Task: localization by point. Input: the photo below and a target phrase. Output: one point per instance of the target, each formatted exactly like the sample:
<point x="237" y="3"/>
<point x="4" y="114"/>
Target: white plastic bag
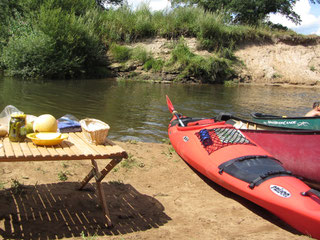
<point x="5" y="115"/>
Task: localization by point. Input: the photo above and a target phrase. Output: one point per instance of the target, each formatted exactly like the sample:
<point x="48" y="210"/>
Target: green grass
<point x="165" y="141"/>
<point x="140" y="54"/>
<point x="156" y="65"/>
<point x="88" y="237"/>
<point x="169" y="153"/>
<point x="276" y="75"/>
<point x="312" y="68"/>
<point x="207" y="69"/>
<point x="16" y="186"/>
<point x="65" y="165"/>
<point x="2" y="184"/>
<point x="116" y="182"/>
<point x="120" y="53"/>
<point x="230" y="83"/>
<point x="131" y="162"/>
<point x="133" y="141"/>
<point x="63" y="176"/>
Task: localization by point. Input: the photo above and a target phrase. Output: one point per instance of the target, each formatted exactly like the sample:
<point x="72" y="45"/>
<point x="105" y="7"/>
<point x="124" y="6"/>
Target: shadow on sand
<point x="51" y="211"/>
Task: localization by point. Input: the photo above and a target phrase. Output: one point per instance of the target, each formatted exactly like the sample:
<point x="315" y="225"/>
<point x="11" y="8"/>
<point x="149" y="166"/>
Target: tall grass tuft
<point x="126" y="25"/>
<point x="176" y="23"/>
<point x="212" y="69"/>
<point x="120" y="53"/>
<point x="140" y="54"/>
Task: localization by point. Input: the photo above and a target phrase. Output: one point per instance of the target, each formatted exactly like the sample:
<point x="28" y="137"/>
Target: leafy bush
<point x="213" y="69"/>
<point x="155" y="64"/>
<point x="140" y="54"/>
<point x="79" y="7"/>
<point x="120" y="53"/>
<point x="29" y="55"/>
<point x="58" y="45"/>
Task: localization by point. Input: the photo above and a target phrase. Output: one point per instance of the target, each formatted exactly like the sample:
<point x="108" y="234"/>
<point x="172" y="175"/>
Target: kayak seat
<point x="253" y="169"/>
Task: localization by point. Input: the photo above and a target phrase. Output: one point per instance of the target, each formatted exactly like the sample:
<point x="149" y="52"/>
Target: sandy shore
<point x="152" y="195"/>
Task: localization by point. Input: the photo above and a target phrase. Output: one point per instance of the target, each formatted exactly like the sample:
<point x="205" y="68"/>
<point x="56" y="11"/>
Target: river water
<point x="138" y="111"/>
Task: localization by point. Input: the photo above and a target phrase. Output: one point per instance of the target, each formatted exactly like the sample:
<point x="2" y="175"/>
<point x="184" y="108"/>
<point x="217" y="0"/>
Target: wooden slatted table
<point x="73" y="148"/>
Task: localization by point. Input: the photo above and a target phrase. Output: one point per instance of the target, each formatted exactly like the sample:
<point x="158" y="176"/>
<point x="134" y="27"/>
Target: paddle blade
<point x="170" y="105"/>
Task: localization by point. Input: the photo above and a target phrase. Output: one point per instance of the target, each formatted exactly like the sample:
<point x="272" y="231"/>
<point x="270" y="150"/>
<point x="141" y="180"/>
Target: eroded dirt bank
<point x="281" y="63"/>
<point x="264" y="63"/>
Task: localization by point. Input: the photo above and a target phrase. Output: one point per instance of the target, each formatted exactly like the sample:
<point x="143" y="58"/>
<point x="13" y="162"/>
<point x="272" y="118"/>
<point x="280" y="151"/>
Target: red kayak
<point x="232" y="160"/>
<point x="297" y="149"/>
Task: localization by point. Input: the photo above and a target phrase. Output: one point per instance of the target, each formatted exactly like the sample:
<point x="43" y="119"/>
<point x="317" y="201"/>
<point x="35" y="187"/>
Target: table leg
<point x="87" y="178"/>
<point x="99" y="177"/>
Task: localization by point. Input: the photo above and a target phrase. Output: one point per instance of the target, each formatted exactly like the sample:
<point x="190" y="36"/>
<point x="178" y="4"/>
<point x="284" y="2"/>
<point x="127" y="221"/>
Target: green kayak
<point x="306" y="123"/>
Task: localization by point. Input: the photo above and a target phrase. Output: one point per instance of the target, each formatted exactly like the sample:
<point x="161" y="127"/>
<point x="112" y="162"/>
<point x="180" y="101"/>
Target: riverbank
<point x="152" y="195"/>
<point x="271" y="63"/>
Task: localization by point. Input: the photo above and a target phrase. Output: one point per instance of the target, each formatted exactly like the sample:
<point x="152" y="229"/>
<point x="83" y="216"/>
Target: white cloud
<point x="309" y="22"/>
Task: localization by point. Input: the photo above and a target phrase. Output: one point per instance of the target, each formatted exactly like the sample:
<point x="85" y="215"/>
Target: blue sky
<point x="309" y="13"/>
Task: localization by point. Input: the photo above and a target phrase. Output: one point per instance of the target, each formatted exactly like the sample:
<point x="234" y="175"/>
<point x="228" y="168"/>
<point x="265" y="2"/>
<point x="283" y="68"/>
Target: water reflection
<point x="138" y="110"/>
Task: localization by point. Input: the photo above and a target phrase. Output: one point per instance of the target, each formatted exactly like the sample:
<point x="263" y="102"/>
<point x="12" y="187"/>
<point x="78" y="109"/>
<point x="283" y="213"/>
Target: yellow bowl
<point x="48" y="138"/>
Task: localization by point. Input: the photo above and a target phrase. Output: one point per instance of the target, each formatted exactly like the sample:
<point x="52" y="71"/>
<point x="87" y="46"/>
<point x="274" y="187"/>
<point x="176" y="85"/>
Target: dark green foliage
<point x="249" y="11"/>
<point x="126" y="25"/>
<point x="123" y="54"/>
<point x="108" y="3"/>
<point x="55" y="41"/>
<point x="180" y="22"/>
<point x="211" y="69"/>
<point x="140" y="54"/>
<point x="78" y="7"/>
<point x="8" y="11"/>
<point x="120" y="53"/>
<point x="276" y="26"/>
<point x="155" y="65"/>
<point x="29" y="55"/>
<point x="148" y="65"/>
<point x="78" y="47"/>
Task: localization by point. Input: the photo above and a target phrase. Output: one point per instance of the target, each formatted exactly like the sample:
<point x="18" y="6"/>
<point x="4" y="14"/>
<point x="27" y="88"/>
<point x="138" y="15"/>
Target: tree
<point x="105" y="3"/>
<point x="249" y="11"/>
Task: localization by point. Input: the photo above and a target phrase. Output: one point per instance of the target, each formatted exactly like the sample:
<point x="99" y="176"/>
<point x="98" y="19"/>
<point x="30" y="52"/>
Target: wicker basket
<point x="94" y="130"/>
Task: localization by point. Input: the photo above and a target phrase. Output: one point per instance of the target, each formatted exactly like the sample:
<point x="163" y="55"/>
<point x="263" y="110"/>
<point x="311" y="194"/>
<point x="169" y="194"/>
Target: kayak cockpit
<point x="254" y="169"/>
<point x="194" y="123"/>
